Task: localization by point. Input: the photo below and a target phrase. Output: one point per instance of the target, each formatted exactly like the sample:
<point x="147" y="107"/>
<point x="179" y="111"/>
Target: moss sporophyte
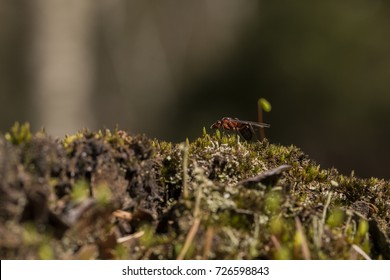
<point x="112" y="195"/>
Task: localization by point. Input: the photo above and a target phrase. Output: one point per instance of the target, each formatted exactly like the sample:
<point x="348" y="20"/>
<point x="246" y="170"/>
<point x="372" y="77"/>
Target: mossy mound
<point x="109" y="195"/>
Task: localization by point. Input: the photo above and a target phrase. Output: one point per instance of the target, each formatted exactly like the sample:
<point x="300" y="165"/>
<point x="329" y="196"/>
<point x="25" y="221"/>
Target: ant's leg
<point x="252" y="130"/>
<point x="246" y="132"/>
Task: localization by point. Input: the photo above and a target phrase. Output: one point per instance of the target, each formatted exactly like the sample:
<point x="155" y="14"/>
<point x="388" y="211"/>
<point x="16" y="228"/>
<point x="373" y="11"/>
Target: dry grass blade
<point x="267" y="177"/>
<point x="130" y="237"/>
<point x="321" y="224"/>
<point x="208" y="242"/>
<point x="190" y="237"/>
<point x="122" y="215"/>
<point x="194" y="228"/>
<point x="304" y="245"/>
<point x="276" y="242"/>
<point x="185" y="171"/>
<point x="360" y="251"/>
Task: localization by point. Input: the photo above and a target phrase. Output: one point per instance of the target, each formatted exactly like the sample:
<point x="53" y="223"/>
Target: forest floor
<point x="111" y="195"/>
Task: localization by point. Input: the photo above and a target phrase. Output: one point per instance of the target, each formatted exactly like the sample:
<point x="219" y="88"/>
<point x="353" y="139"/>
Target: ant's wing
<point x="262" y="125"/>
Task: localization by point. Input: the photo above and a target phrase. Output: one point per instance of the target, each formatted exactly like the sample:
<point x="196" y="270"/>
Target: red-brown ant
<point x="243" y="128"/>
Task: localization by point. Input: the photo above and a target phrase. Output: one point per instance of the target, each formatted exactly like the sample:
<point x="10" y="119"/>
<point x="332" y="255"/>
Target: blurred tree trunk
<point x="14" y="25"/>
<point x="62" y="63"/>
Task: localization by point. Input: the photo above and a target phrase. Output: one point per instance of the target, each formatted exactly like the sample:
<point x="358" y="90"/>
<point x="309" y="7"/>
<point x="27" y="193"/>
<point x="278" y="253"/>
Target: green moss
<point x="19" y="134"/>
<point x="80" y="191"/>
<point x="45" y="252"/>
<point x="69" y="140"/>
<point x="362" y="230"/>
<point x="146" y="179"/>
<point x="336" y="218"/>
<point x="276" y="225"/>
<point x="273" y="203"/>
<point x="282" y="253"/>
<point x="102" y="194"/>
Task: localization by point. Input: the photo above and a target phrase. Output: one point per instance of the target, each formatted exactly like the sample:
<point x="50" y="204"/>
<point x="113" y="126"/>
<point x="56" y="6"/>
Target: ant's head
<point x="217" y="124"/>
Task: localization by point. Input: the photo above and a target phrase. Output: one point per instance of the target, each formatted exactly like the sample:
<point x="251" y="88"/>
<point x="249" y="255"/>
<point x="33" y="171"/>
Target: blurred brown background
<point x="168" y="68"/>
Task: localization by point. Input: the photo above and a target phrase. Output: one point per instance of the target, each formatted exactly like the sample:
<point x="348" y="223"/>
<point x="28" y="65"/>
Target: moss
<point x="19" y="134"/>
<point x="67" y="193"/>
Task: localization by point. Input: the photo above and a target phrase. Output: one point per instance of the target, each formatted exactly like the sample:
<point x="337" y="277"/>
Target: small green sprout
<point x="204" y="131"/>
<point x="19" y="134"/>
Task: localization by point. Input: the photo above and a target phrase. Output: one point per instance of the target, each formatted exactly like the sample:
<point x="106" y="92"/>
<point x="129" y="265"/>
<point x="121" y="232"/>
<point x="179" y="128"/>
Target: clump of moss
<point x="111" y="195"/>
<point x="19" y="134"/>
